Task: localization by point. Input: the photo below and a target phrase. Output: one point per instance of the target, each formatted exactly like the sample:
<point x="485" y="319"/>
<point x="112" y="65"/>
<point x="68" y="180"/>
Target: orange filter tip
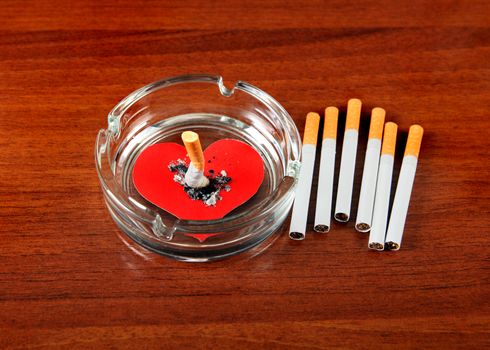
<point x="377" y="123"/>
<point x="389" y="139"/>
<point x="353" y="114"/>
<point x="194" y="149"/>
<point x="414" y="140"/>
<point x="311" y="128"/>
<point x="331" y="120"/>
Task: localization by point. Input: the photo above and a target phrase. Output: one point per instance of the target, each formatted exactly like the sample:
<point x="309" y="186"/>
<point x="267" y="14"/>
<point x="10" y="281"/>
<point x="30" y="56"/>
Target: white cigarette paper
<point x="327" y="166"/>
<point x="195" y="178"/>
<point x="348" y="161"/>
<point x="404" y="188"/>
<point x="370" y="172"/>
<point x="383" y="188"/>
<point x="297" y="229"/>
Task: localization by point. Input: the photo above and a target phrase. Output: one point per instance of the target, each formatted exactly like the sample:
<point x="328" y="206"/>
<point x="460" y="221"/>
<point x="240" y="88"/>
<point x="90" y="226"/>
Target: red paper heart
<point x="155" y="182"/>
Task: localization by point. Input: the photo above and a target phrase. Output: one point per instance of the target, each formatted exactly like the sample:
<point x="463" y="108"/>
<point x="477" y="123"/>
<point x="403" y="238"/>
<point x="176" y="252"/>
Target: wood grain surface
<point x="69" y="279"/>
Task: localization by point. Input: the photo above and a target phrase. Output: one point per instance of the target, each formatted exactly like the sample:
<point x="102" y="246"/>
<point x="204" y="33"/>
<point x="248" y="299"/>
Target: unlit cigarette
<point x="194" y="177"/>
<point x="297" y="230"/>
<point x="327" y="167"/>
<point x="370" y="172"/>
<point x="404" y="188"/>
<point x="348" y="161"/>
<point x="383" y="187"/>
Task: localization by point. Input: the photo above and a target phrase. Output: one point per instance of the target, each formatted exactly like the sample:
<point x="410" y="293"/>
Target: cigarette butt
<point x="311" y="128"/>
<point x="353" y="114"/>
<point x="404" y="187"/>
<point x="370" y="171"/>
<point x="297" y="229"/>
<point x="383" y="189"/>
<point x="389" y="139"/>
<point x="414" y="140"/>
<point x="348" y="161"/>
<point x="327" y="166"/>
<point x="330" y="123"/>
<point x="194" y="149"/>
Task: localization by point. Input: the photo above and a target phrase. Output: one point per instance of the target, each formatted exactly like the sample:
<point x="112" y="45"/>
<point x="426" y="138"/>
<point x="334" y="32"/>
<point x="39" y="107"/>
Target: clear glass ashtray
<point x="160" y="112"/>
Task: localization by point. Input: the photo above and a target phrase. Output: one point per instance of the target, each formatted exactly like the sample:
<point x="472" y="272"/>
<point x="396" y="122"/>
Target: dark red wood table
<point x="69" y="280"/>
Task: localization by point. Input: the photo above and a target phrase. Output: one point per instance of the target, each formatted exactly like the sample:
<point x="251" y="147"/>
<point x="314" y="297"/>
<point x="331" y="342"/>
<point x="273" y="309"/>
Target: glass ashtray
<point x="160" y="112"/>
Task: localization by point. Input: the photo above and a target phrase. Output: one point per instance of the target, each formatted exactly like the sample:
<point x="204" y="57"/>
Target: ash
<point x="209" y="195"/>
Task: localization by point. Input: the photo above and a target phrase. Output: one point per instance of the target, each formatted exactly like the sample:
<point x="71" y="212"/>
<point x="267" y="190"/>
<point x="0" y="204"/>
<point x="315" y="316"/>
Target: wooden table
<point x="69" y="280"/>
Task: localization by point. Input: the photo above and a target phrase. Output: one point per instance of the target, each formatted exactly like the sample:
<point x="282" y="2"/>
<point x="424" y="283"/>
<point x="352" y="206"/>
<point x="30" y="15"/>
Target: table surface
<point x="68" y="279"/>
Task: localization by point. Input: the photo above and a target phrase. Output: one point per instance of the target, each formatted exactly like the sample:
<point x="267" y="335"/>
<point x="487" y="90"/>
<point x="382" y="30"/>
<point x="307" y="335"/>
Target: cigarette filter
<point x="370" y="172"/>
<point x="383" y="188"/>
<point x="327" y="167"/>
<point x="194" y="177"/>
<point x="404" y="188"/>
<point x="297" y="230"/>
<point x="348" y="161"/>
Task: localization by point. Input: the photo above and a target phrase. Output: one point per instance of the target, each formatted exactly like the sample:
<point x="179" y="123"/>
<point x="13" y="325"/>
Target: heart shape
<point x="155" y="182"/>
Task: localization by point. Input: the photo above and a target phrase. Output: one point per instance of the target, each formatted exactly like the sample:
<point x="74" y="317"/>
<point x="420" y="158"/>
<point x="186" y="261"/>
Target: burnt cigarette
<point x="327" y="166"/>
<point x="348" y="161"/>
<point x="383" y="188"/>
<point x="194" y="177"/>
<point x="297" y="230"/>
<point x="370" y="172"/>
<point x="404" y="188"/>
